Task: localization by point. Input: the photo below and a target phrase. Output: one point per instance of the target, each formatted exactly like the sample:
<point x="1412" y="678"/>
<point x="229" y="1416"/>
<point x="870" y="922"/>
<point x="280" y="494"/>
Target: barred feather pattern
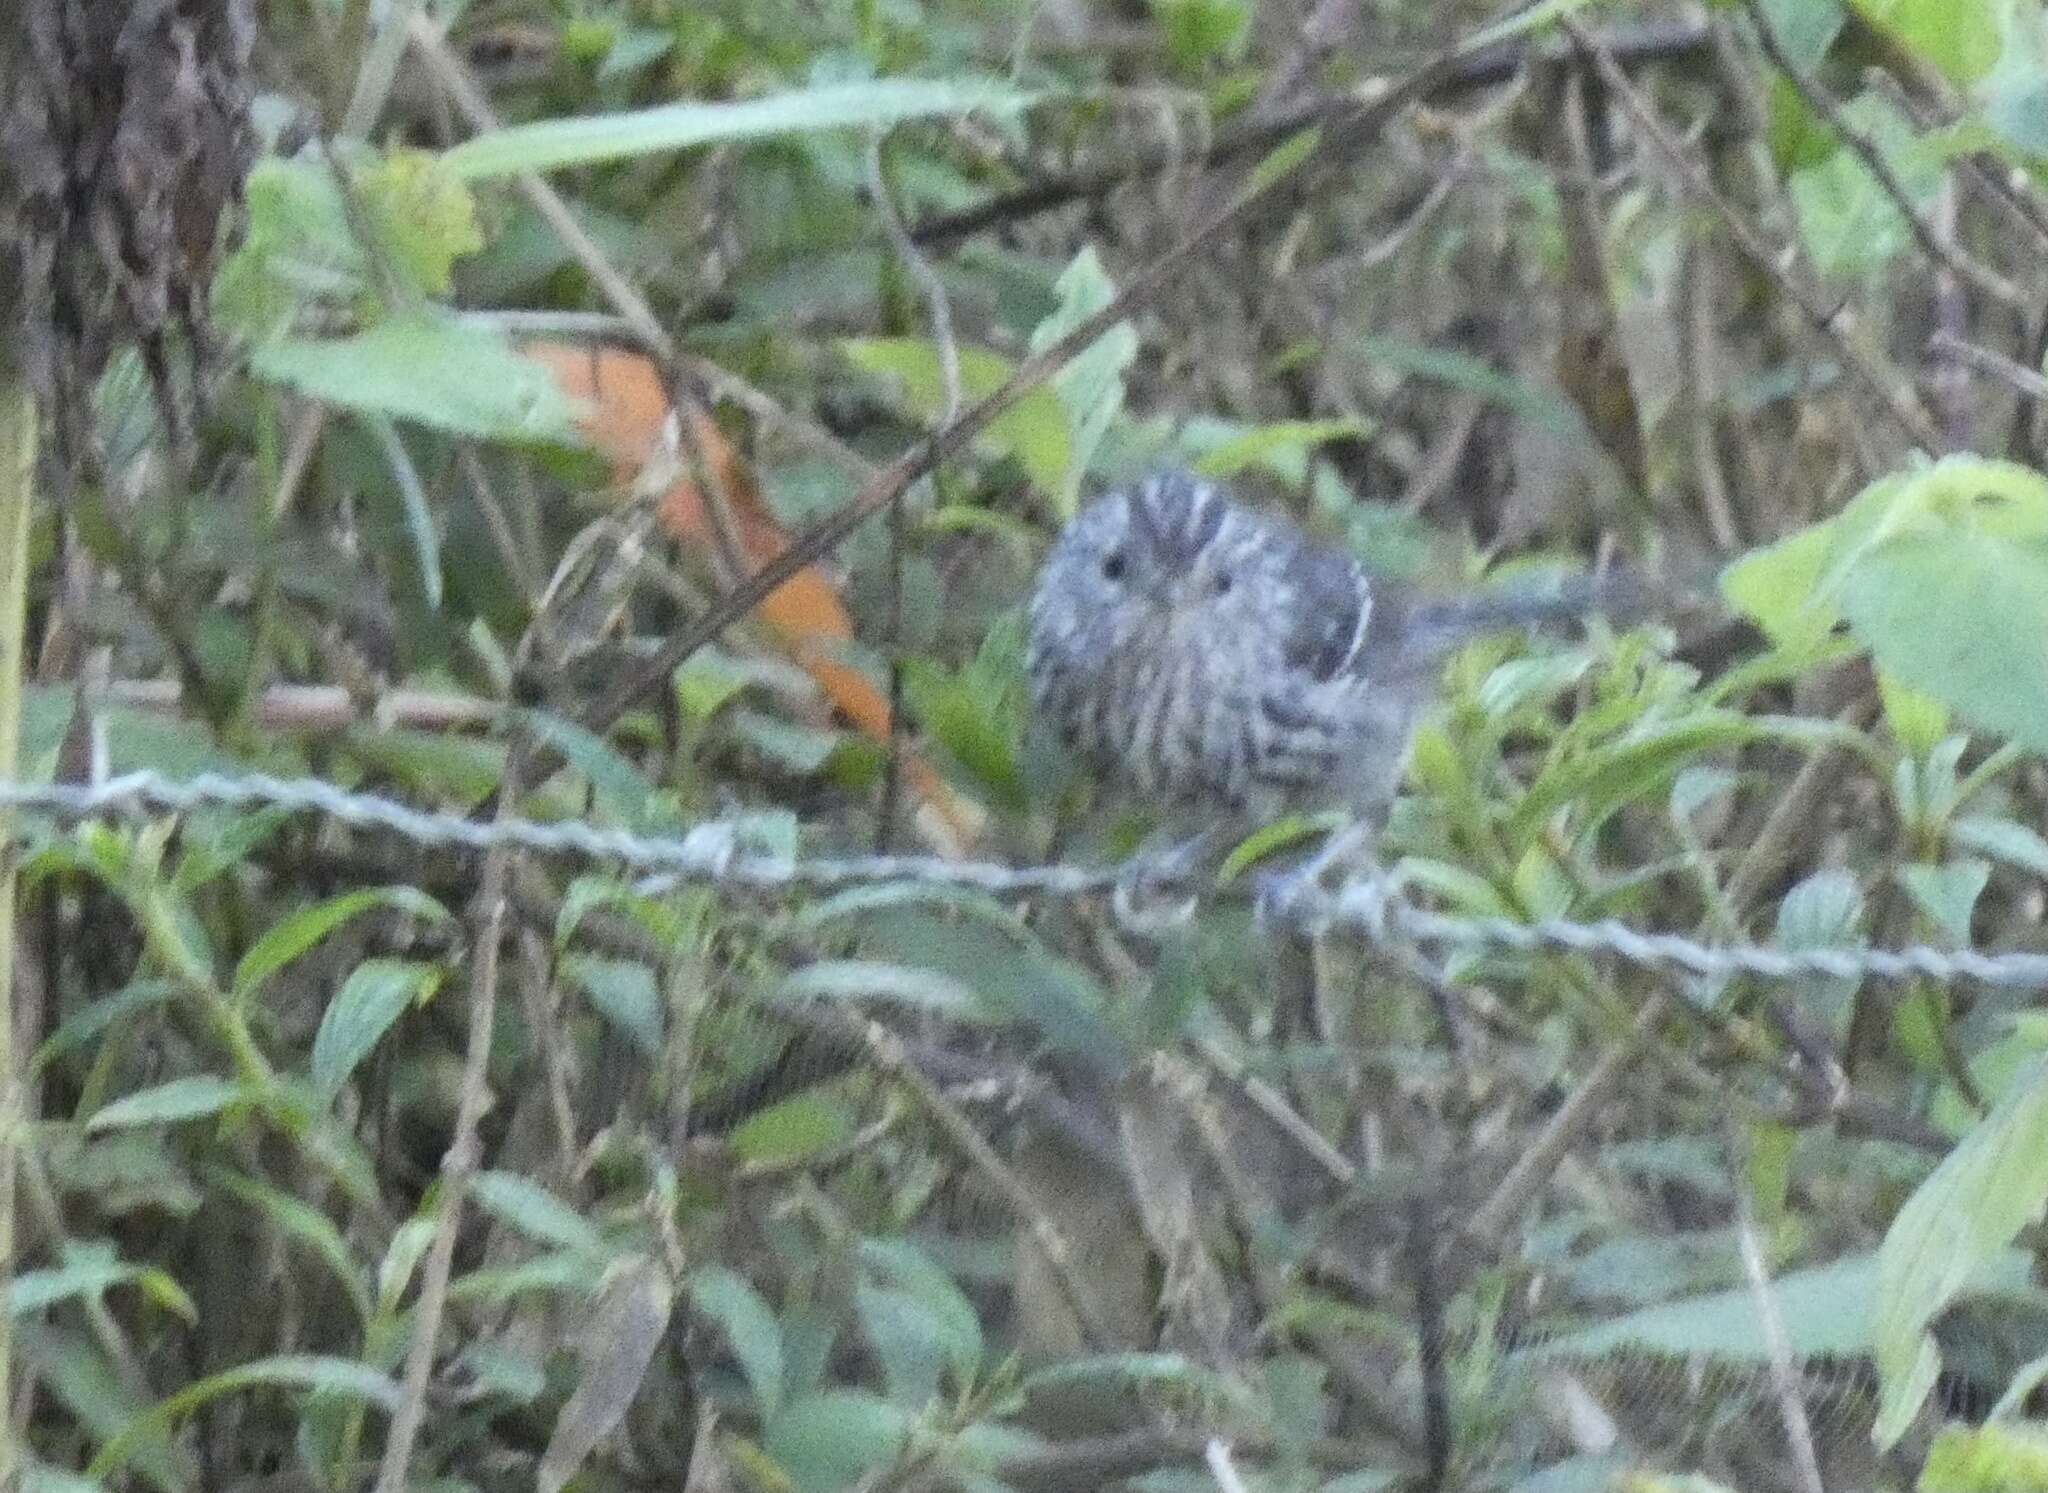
<point x="1196" y="650"/>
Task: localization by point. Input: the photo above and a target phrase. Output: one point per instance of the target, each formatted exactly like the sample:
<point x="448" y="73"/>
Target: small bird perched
<point x="1202" y="653"/>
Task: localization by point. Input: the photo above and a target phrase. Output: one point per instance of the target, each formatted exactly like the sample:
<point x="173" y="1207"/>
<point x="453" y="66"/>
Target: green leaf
<point x="1825" y="911"/>
<point x="872" y="104"/>
<point x="432" y="368"/>
<point x="1917" y="719"/>
<point x="1272" y="838"/>
<point x="409" y="1245"/>
<point x="1202" y="33"/>
<point x="1618" y="772"/>
<point x="2004" y="840"/>
<point x="1826" y="1312"/>
<point x="336" y="1376"/>
<point x="463" y="769"/>
<point x="1850" y="221"/>
<point x="1281" y="161"/>
<point x="623" y="791"/>
<point x="375" y="994"/>
<point x="308" y="1225"/>
<point x="1521" y="22"/>
<point x="562" y="1272"/>
<point x="414" y="505"/>
<point x="1091" y="386"/>
<point x="2016" y="103"/>
<point x="922" y="1300"/>
<point x="128" y="1171"/>
<point x="1279" y="445"/>
<point x="624" y="993"/>
<point x="1960" y="615"/>
<point x="305" y="929"/>
<point x="91" y="1020"/>
<point x="530" y="1208"/>
<point x="1777" y="586"/>
<point x="300" y="246"/>
<point x="76" y="1374"/>
<point x="1475" y="375"/>
<point x="1805" y="28"/>
<point x="1013" y="976"/>
<point x="1956" y="1223"/>
<point x="1033" y="432"/>
<point x="91" y="1270"/>
<point x="978" y="712"/>
<point x="1947" y="894"/>
<point x="1960" y="37"/>
<point x="730" y="1300"/>
<point x="1942" y="570"/>
<point x="906" y="1343"/>
<point x="2000" y="1457"/>
<point x="180" y="1099"/>
<point x="214" y="845"/>
<point x="1118" y="1370"/>
<point x="793" y="1130"/>
<point x="829" y="1441"/>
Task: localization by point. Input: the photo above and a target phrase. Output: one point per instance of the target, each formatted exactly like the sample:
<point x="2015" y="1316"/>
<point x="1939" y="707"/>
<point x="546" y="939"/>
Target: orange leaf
<point x="629" y="408"/>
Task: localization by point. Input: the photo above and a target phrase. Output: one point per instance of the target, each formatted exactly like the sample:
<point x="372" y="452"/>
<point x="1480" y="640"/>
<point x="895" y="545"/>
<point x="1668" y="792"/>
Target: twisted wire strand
<point x="713" y="853"/>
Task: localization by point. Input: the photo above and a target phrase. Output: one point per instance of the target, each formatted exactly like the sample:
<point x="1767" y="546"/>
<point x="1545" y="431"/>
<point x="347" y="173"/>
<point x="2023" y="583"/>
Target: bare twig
<point x="939" y="307"/>
<point x="894" y="1059"/>
<point x="1791" y="1408"/>
<point x="460" y="1161"/>
<point x="1480" y="68"/>
<point x="322" y="707"/>
<point x="1490" y="1223"/>
<point x="1947" y="344"/>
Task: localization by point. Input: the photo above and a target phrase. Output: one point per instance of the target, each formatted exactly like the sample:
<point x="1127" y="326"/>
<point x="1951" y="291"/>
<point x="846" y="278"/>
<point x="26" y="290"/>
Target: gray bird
<point x="1201" y="653"/>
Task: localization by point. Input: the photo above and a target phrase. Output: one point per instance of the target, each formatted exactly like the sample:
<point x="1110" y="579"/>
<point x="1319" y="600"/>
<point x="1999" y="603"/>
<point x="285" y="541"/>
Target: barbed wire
<point x="716" y="853"/>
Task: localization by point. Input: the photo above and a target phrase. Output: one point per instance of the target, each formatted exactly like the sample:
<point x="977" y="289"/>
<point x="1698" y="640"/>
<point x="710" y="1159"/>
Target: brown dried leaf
<point x="632" y="1312"/>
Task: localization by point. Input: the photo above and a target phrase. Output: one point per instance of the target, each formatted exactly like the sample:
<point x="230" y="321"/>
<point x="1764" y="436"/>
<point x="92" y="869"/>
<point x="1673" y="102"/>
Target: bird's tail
<point x="1439" y="626"/>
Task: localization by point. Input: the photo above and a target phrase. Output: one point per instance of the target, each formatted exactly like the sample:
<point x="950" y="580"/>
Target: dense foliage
<point x="649" y="414"/>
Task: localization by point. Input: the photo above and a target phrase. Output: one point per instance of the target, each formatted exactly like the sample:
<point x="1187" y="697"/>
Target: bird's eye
<point x="1223" y="583"/>
<point x="1113" y="566"/>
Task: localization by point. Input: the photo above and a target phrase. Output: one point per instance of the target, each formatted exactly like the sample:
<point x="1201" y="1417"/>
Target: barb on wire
<point x="714" y="852"/>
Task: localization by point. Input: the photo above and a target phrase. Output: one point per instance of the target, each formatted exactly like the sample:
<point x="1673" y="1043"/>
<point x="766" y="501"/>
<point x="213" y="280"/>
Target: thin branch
<point x="1835" y="323"/>
<point x="1791" y="1407"/>
<point x="1482" y="68"/>
<point x="1937" y="246"/>
<point x="1490" y="1223"/>
<point x="939" y="307"/>
<point x="894" y="1059"/>
<point x="17" y="502"/>
<point x="460" y="1161"/>
<point x="322" y="707"/>
<point x="1947" y="344"/>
